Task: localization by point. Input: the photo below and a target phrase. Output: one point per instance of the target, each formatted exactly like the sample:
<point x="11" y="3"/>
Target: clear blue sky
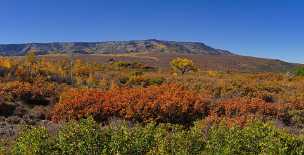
<point x="263" y="28"/>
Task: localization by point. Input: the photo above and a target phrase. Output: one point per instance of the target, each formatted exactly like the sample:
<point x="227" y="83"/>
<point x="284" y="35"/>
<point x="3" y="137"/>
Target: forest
<point x="73" y="106"/>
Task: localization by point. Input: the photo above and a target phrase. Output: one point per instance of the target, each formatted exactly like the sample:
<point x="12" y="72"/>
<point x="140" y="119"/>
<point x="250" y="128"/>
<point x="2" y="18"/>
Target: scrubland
<point x="72" y="106"/>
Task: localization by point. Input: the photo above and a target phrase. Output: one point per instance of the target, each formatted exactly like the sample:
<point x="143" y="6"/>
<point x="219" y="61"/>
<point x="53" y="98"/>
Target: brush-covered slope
<point x="154" y="52"/>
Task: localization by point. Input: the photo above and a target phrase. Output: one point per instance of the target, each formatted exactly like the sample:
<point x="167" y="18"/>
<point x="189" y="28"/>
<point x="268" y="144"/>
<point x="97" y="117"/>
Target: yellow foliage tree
<point x="31" y="57"/>
<point x="183" y="65"/>
<point x="6" y="63"/>
<point x="30" y="62"/>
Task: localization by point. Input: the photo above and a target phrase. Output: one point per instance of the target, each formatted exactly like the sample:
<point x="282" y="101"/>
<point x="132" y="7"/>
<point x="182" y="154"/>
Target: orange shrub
<point x="241" y="110"/>
<point x="35" y="93"/>
<point x="165" y="103"/>
<point x="77" y="103"/>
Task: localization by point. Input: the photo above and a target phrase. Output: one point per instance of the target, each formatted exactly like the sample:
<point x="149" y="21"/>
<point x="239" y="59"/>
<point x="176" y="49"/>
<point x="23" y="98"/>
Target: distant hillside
<point x="154" y="52"/>
<point x="111" y="47"/>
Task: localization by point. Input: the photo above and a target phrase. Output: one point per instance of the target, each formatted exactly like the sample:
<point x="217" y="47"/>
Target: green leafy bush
<point x="156" y="81"/>
<point x="121" y="64"/>
<point x="299" y="71"/>
<point x="2" y="150"/>
<point x="123" y="139"/>
<point x="32" y="141"/>
<point x="145" y="81"/>
<point x="129" y="65"/>
<point x="152" y="139"/>
<point x="256" y="138"/>
<point x="174" y="139"/>
<point x="83" y="137"/>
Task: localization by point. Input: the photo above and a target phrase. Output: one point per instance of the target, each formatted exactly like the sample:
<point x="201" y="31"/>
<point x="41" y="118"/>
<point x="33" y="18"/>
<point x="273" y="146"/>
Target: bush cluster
<point x="141" y="81"/>
<point x="39" y="92"/>
<point x="32" y="141"/>
<point x="85" y="137"/>
<point x="299" y="71"/>
<point x="241" y="110"/>
<point x="255" y="138"/>
<point x="169" y="103"/>
<point x="165" y="103"/>
<point x="136" y="93"/>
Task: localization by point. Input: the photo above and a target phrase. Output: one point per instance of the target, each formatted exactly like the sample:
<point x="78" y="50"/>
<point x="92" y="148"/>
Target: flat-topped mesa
<point x="150" y="45"/>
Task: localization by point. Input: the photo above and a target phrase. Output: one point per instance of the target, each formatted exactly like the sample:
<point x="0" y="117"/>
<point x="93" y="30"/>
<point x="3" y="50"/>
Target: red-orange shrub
<point x="35" y="93"/>
<point x="77" y="103"/>
<point x="241" y="110"/>
<point x="165" y="103"/>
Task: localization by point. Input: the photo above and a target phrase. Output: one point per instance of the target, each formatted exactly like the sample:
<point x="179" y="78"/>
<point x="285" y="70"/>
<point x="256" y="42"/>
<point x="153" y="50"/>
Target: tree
<point x="30" y="61"/>
<point x="30" y="57"/>
<point x="183" y="65"/>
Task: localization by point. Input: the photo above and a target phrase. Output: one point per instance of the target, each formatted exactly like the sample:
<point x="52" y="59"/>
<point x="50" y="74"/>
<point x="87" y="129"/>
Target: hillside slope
<point x="151" y="45"/>
<point x="153" y="52"/>
<point x="204" y="61"/>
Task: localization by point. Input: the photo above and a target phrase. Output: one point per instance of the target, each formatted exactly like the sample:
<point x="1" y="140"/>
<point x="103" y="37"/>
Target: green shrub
<point x="129" y="65"/>
<point x="2" y="150"/>
<point x="256" y="138"/>
<point x="121" y="64"/>
<point x="83" y="137"/>
<point x="145" y="81"/>
<point x="156" y="81"/>
<point x="152" y="139"/>
<point x="32" y="141"/>
<point x="122" y="139"/>
<point x="299" y="71"/>
<point x="143" y="138"/>
<point x="174" y="139"/>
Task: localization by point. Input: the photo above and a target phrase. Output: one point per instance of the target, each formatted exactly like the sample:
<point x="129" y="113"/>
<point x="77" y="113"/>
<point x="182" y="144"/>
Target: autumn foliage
<point x="216" y="106"/>
<point x="38" y="92"/>
<point x="183" y="65"/>
<point x="78" y="103"/>
<point x="242" y="110"/>
<point x="165" y="103"/>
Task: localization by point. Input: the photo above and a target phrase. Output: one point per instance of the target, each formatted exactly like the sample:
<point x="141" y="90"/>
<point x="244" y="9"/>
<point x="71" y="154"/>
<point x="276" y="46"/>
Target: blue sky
<point x="263" y="28"/>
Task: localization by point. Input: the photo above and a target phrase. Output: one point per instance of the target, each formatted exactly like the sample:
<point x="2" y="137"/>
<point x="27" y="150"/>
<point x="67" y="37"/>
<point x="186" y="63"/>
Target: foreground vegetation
<point x="75" y="107"/>
<point x="86" y="137"/>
